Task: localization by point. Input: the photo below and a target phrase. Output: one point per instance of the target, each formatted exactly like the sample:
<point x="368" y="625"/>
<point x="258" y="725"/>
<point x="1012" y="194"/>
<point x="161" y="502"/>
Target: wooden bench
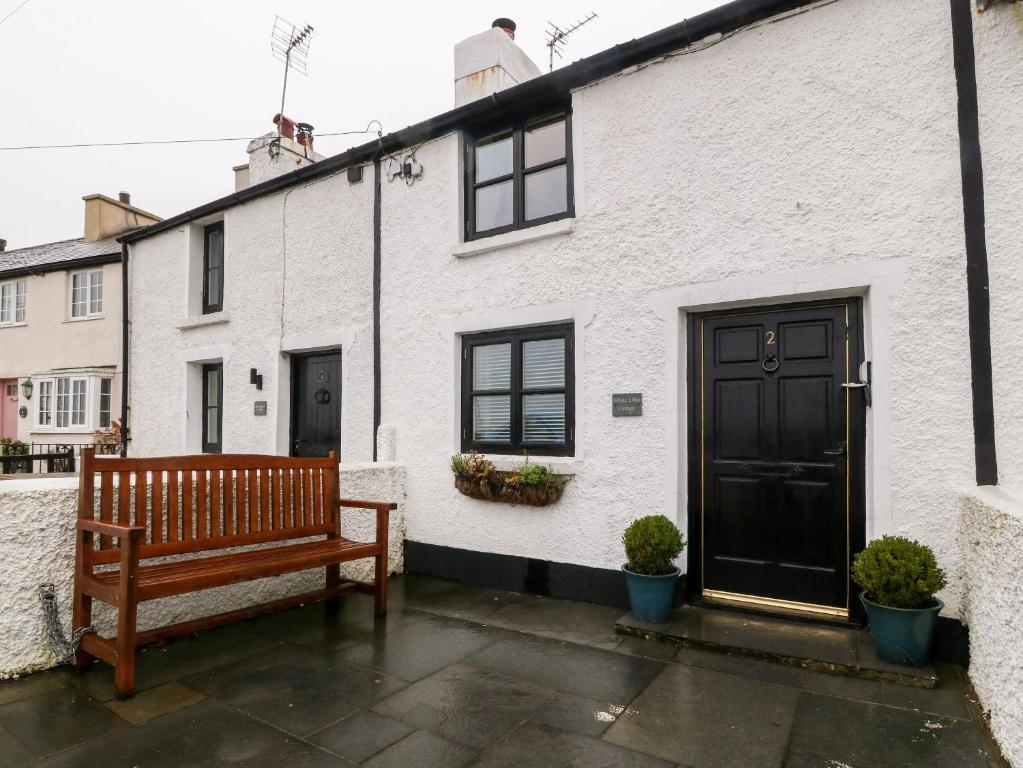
<point x="188" y="505"/>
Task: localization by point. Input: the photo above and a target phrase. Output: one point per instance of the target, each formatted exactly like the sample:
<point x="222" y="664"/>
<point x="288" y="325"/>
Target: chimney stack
<point x="3" y="245"/>
<point x="106" y="217"/>
<point x="273" y="154"/>
<point x="490" y="62"/>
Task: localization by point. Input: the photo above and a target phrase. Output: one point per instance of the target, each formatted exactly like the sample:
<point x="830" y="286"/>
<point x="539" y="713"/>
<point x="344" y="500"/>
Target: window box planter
<point x="534" y="484"/>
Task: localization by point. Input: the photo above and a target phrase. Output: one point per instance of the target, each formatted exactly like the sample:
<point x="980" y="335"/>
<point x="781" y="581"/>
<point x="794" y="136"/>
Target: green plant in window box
<point x="532" y="484"/>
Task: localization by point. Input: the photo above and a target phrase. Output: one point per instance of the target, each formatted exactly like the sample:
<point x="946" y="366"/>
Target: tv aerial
<point x="290" y="45"/>
<point x="556" y="36"/>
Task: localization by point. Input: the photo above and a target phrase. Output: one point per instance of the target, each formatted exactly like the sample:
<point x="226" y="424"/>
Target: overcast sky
<point x="116" y="70"/>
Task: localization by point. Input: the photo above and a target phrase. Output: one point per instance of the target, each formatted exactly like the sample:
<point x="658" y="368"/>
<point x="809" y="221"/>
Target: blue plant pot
<point x="650" y="597"/>
<point x="902" y="635"/>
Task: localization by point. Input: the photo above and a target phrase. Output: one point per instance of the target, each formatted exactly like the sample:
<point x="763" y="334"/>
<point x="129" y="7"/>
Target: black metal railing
<point x="48" y="457"/>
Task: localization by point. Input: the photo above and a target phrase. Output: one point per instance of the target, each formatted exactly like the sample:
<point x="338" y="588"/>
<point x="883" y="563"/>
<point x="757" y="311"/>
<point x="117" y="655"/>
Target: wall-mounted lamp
<point x="255" y="377"/>
<point x="26" y="388"/>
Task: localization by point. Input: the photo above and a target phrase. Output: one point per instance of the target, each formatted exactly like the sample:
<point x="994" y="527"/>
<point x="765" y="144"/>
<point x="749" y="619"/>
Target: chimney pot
<point x="505" y="24"/>
<point x="286" y="124"/>
<point x="3" y="245"/>
<point x="304" y="134"/>
<point x="124" y="197"/>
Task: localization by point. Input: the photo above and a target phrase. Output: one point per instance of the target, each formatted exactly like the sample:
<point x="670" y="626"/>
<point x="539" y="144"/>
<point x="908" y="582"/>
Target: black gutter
<point x="377" y="264"/>
<point x="553" y="87"/>
<point x="57" y="266"/>
<point x="124" y="350"/>
<point x="977" y="283"/>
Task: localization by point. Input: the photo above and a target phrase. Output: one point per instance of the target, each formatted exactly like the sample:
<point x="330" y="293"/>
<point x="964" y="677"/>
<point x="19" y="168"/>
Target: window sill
<point x="559" y="465"/>
<point x="12" y="325"/>
<point x="85" y="319"/>
<point x="201" y="321"/>
<point x="519" y="236"/>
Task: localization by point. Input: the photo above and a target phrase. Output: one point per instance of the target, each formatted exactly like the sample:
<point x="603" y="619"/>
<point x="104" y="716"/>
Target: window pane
<point x="543" y="363"/>
<point x="543" y="418"/>
<point x="491" y="367"/>
<point x="213" y="287"/>
<point x="78" y="402"/>
<point x="212" y="428"/>
<point x="494" y="206"/>
<point x="6" y="302"/>
<point x="491" y="418"/>
<point x="104" y="402"/>
<point x="22" y="295"/>
<point x="63" y="402"/>
<point x="96" y="292"/>
<point x="545" y="143"/>
<point x="45" y="405"/>
<point x="79" y="290"/>
<point x="547" y="192"/>
<point x="213" y="387"/>
<point x="493" y="159"/>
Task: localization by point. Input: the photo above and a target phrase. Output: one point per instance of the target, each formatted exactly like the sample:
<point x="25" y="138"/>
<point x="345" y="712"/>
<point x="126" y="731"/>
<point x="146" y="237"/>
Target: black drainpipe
<point x="124" y="349"/>
<point x="977" y="284"/>
<point x="376" y="301"/>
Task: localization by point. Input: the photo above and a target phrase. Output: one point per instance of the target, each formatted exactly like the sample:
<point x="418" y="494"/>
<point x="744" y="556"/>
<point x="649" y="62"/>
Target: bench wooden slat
<point x="106" y="506"/>
<point x="124" y="498"/>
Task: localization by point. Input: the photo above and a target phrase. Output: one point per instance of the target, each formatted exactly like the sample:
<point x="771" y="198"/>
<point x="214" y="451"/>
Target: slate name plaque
<point x="259" y="408"/>
<point x="627" y="404"/>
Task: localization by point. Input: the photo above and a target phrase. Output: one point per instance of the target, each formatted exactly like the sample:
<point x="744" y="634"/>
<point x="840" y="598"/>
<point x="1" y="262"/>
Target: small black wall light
<point x="26" y="388"/>
<point x="255" y="377"/>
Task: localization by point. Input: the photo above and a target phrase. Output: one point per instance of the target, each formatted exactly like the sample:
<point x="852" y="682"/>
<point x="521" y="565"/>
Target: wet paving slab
<point x="463" y="676"/>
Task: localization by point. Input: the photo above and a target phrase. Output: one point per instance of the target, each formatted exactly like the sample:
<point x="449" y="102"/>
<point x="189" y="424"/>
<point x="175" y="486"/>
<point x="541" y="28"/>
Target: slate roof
<point x="60" y="255"/>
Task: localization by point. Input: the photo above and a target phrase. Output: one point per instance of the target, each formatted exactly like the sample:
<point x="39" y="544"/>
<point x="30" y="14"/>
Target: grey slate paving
<point x="53" y="721"/>
<point x="708" y="719"/>
<point x="297" y="690"/>
<point x="738" y="665"/>
<point x="30" y="685"/>
<point x="207" y="735"/>
<point x="423" y="750"/>
<point x="13" y="754"/>
<point x="588" y="672"/>
<point x="448" y="598"/>
<point x="848" y="687"/>
<point x="869" y="735"/>
<point x="577" y="714"/>
<point x="470" y="706"/>
<point x="566" y="620"/>
<point x="362" y="735"/>
<point x="541" y="746"/>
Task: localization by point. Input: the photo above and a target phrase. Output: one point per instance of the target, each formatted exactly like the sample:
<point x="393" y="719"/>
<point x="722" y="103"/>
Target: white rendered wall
<point x="998" y="36"/>
<point x="795" y="148"/>
<point x="794" y="160"/>
<point x="294" y="282"/>
<point x="991" y="537"/>
<point x="43" y="513"/>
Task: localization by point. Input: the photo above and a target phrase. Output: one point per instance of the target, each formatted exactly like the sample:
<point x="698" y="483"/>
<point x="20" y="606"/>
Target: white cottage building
<point x="764" y="235"/>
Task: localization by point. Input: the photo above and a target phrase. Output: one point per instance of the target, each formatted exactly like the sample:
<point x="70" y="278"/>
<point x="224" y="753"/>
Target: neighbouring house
<point x="61" y="330"/>
<point x="736" y="272"/>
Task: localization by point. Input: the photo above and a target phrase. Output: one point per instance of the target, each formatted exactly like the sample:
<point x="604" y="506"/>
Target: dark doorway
<point x="776" y="455"/>
<point x="316" y="404"/>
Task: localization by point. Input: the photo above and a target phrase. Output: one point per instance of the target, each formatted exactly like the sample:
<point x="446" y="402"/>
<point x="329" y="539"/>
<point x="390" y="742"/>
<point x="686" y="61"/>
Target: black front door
<point x="316" y="404"/>
<point x="777" y="443"/>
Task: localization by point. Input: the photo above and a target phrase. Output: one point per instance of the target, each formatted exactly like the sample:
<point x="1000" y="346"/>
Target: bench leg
<point x="124" y="672"/>
<point x="81" y="616"/>
<point x="380" y="580"/>
<point x="333" y="578"/>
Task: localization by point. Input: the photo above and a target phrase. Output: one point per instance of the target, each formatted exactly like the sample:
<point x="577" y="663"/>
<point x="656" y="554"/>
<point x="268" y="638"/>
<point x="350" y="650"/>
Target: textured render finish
<point x="489" y="62"/>
<point x="42" y="513"/>
<point x="796" y="146"/>
<point x="998" y="35"/>
<point x="793" y="146"/>
<point x="310" y="278"/>
<point x="991" y="537"/>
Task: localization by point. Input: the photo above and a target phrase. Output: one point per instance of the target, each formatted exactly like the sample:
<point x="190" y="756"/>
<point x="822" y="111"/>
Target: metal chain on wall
<point x="63" y="649"/>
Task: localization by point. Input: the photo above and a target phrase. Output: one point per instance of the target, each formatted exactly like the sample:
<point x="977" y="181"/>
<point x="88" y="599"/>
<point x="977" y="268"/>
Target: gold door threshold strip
<point x="775" y="604"/>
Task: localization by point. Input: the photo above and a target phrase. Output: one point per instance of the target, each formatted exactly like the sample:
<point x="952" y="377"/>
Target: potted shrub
<point x="899" y="577"/>
<point x="651" y="544"/>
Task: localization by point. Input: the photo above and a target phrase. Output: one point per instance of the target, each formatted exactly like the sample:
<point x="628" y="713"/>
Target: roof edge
<point x="58" y="266"/>
<point x="547" y="87"/>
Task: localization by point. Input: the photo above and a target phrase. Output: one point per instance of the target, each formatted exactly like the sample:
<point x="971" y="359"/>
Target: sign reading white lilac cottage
<point x="764" y="226"/>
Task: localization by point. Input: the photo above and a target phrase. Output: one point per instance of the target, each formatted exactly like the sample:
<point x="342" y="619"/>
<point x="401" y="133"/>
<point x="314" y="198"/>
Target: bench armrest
<point x="379" y="506"/>
<point x="112" y="529"/>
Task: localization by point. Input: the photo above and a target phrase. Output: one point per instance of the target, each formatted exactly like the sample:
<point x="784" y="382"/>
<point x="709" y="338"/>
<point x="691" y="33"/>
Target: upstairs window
<point x="87" y="293"/>
<point x="518" y="177"/>
<point x="213" y="268"/>
<point x="517" y="391"/>
<point x="12" y="302"/>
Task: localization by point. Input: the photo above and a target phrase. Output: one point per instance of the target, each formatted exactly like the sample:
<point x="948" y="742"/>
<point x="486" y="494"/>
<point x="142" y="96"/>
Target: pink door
<point x="9" y="408"/>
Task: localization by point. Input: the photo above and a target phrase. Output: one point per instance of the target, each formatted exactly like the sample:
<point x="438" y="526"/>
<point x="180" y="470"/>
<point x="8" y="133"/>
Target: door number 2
<point x="769" y="336"/>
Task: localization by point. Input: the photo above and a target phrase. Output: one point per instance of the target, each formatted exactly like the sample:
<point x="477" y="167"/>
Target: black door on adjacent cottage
<point x="316" y="404"/>
<point x="776" y="455"/>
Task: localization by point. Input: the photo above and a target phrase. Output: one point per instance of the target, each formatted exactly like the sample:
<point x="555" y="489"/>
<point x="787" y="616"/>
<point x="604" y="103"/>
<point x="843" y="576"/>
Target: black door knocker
<point x="322" y="396"/>
<point x="770" y="363"/>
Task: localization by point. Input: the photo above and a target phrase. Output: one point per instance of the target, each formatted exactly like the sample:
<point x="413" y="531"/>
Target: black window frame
<point x="517" y="130"/>
<point x="207" y="306"/>
<point x="516" y="337"/>
<point x="207" y="445"/>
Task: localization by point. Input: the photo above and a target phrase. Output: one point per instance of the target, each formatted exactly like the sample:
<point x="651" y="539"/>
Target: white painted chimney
<point x="490" y="62"/>
<point x="274" y="154"/>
